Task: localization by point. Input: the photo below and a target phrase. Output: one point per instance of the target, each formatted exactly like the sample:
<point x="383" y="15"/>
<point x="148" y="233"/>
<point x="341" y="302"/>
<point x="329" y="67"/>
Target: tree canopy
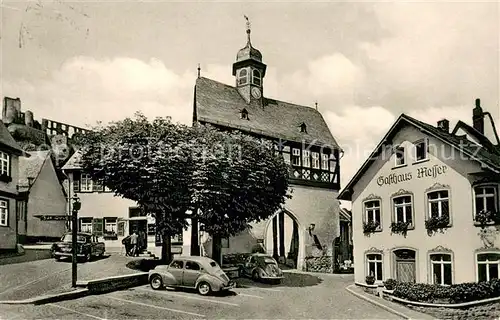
<point x="226" y="180"/>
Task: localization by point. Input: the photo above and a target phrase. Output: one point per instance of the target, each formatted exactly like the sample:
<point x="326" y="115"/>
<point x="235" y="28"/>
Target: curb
<point x="90" y="287"/>
<point x="317" y="274"/>
<point x="51" y="297"/>
<point x="378" y="304"/>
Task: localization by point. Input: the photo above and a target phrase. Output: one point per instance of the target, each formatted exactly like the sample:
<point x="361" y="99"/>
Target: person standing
<point x="126" y="243"/>
<point x="133" y="243"/>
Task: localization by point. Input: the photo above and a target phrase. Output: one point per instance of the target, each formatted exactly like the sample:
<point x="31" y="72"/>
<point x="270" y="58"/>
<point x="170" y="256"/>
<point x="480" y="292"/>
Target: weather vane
<point x="248" y="28"/>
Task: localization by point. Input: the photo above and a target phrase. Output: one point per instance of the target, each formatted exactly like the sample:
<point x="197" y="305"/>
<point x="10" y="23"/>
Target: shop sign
<point x="421" y="173"/>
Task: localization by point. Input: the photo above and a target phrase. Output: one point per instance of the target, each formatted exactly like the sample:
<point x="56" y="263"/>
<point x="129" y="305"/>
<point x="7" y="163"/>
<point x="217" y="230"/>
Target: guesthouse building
<point x="425" y="204"/>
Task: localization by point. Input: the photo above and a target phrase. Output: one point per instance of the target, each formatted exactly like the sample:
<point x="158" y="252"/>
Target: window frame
<point x="367" y="265"/>
<point x="487" y="263"/>
<point x="294" y="156"/>
<point x="7" y="161"/>
<point x="115" y="224"/>
<point x="365" y="211"/>
<point x="91" y="224"/>
<point x="316" y="160"/>
<point x="403" y="150"/>
<point x="441" y="263"/>
<point x="7" y="212"/>
<point x="242" y="77"/>
<point x="394" y="210"/>
<point x="306" y="158"/>
<point x="424" y="141"/>
<point x="194" y="263"/>
<point x="89" y="184"/>
<point x="256" y="75"/>
<point x="475" y="196"/>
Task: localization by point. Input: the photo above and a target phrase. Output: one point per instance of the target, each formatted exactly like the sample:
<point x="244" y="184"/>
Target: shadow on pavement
<point x="289" y="280"/>
<point x="143" y="265"/>
<point x="94" y="259"/>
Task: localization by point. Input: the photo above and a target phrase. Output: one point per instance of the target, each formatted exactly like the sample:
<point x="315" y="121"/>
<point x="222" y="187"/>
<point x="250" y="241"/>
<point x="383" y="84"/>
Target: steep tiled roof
<point x="74" y="162"/>
<point x="221" y="104"/>
<point x="29" y="168"/>
<point x="487" y="156"/>
<point x="8" y="141"/>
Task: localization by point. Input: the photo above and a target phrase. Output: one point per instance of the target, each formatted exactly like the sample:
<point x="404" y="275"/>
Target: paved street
<point x="299" y="297"/>
<point x="29" y="279"/>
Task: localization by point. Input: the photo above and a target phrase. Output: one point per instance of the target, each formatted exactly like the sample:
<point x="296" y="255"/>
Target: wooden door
<point x="405" y="271"/>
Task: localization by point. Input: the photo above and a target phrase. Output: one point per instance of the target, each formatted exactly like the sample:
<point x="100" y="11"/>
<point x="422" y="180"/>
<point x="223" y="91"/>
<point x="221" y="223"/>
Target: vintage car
<point x="200" y="273"/>
<point x="262" y="267"/>
<point x="88" y="247"/>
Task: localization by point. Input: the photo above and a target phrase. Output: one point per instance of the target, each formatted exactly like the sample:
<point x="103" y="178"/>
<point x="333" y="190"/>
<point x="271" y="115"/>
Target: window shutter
<point x="121" y="228"/>
<point x="98" y="227"/>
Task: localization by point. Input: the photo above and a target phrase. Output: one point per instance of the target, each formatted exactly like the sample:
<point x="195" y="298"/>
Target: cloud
<point x="86" y="90"/>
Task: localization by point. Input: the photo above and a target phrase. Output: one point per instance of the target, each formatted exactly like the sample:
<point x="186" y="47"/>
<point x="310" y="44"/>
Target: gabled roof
<point x="488" y="158"/>
<point x="74" y="162"/>
<point x="484" y="141"/>
<point x="220" y="104"/>
<point x="30" y="168"/>
<point x="8" y="141"/>
<point x="345" y="215"/>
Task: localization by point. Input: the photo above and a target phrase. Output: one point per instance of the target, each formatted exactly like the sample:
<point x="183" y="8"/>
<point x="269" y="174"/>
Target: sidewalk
<point x="28" y="280"/>
<point x="390" y="306"/>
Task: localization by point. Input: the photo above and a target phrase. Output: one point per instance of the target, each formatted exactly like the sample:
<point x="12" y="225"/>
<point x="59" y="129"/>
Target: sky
<point x="364" y="63"/>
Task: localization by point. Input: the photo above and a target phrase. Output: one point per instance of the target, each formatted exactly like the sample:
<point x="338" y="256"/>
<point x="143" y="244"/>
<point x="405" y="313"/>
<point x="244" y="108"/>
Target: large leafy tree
<point x="146" y="162"/>
<point x="238" y="180"/>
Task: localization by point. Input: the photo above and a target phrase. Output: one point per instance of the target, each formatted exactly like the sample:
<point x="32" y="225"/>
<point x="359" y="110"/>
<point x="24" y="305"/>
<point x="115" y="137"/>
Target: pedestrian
<point x="126" y="244"/>
<point x="133" y="243"/>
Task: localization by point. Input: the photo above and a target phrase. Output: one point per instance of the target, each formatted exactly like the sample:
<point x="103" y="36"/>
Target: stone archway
<point x="284" y="238"/>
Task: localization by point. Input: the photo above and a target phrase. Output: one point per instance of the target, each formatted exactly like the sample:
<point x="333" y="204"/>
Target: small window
<point x="486" y="199"/>
<point x="4" y="213"/>
<point x="86" y="225"/>
<point x="243" y="77"/>
<point x="225" y="243"/>
<point x="441" y="269"/>
<point x="315" y="160"/>
<point x="439" y="204"/>
<point x="296" y="157"/>
<point x="306" y="158"/>
<point x="487" y="266"/>
<point x="256" y="78"/>
<point x="324" y="161"/>
<point x="303" y="128"/>
<point x="374" y="266"/>
<point x="372" y="212"/>
<point x="403" y="209"/>
<point x="421" y="150"/>
<point x="244" y="114"/>
<point x="190" y="265"/>
<point x="400" y="156"/>
<point x="5" y="164"/>
<point x="86" y="184"/>
<point x="110" y="225"/>
<point x="176" y="264"/>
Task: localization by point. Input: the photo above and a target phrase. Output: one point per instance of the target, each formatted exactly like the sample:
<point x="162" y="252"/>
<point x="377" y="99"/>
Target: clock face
<point x="256" y="93"/>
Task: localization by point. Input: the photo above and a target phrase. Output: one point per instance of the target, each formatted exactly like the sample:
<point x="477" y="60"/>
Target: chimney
<point x="478" y="117"/>
<point x="444" y="125"/>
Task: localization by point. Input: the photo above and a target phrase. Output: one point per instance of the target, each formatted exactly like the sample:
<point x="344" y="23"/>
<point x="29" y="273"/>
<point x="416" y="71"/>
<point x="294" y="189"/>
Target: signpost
<point x="76" y="205"/>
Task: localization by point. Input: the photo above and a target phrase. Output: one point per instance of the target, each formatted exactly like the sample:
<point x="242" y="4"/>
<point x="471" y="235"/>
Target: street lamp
<point x="76" y="205"/>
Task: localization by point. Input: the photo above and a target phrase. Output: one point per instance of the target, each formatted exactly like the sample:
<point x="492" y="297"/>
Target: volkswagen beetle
<point x="262" y="267"/>
<point x="200" y="273"/>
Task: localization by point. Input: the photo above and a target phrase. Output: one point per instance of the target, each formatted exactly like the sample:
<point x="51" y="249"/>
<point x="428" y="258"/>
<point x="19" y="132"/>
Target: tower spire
<point x="248" y="29"/>
<point x="199" y="70"/>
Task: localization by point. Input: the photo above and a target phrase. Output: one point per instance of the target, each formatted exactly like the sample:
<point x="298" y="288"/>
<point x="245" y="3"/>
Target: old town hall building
<point x="309" y="223"/>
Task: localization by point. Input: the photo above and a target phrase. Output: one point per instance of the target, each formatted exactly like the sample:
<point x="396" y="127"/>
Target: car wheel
<point x="156" y="282"/>
<point x="57" y="258"/>
<point x="204" y="288"/>
<point x="255" y="276"/>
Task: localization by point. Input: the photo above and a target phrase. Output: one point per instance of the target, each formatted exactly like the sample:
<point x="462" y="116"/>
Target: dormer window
<point x="244" y="114"/>
<point x="242" y="77"/>
<point x="256" y="77"/>
<point x="303" y="128"/>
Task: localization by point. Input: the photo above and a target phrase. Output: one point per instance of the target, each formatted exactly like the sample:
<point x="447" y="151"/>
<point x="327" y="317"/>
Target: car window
<point x="176" y="264"/>
<point x="192" y="265"/>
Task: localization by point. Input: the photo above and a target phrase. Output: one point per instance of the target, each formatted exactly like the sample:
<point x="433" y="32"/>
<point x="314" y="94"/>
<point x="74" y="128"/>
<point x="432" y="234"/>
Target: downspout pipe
<point x="493" y="125"/>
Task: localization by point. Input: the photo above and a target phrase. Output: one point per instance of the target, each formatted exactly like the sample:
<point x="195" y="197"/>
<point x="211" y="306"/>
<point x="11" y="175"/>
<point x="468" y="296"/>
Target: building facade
<point x="309" y="222"/>
<point x="40" y="193"/>
<point x="425" y="204"/>
<point x="10" y="152"/>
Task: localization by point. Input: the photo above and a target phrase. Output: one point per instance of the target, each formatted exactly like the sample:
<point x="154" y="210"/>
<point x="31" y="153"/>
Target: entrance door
<point x="140" y="227"/>
<point x="405" y="265"/>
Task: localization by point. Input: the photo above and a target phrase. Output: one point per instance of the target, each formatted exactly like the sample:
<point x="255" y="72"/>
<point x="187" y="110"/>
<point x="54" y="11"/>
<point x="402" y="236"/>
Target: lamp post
<point x="76" y="205"/>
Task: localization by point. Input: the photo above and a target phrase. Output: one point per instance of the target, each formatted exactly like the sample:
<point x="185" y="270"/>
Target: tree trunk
<point x="195" y="233"/>
<point x="217" y="249"/>
<point x="166" y="248"/>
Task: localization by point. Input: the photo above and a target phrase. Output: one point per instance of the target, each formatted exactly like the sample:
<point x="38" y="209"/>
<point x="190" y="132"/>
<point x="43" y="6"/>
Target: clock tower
<point x="249" y="71"/>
